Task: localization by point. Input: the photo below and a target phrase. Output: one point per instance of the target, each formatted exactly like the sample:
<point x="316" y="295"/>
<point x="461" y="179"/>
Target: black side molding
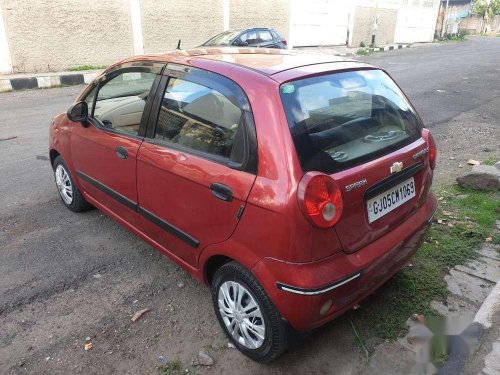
<point x="113" y="194"/>
<point x="169" y="228"/>
<point x="392" y="180"/>
<point x="173" y="230"/>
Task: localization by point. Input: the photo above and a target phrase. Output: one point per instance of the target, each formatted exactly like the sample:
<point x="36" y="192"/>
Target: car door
<point x="197" y="163"/>
<point x="247" y="39"/>
<point x="104" y="151"/>
<point x="265" y="39"/>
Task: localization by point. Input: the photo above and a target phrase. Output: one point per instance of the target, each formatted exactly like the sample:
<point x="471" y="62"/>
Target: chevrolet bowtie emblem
<point x="396" y="167"/>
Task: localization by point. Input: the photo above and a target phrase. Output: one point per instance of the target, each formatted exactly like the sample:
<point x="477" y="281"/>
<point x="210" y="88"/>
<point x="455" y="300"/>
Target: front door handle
<point x="121" y="152"/>
<point x="222" y="192"/>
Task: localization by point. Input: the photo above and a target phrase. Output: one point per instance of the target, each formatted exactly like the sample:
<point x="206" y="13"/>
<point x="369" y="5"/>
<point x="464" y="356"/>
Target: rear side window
<point x="265" y="36"/>
<point x="341" y="120"/>
<point x="199" y="118"/>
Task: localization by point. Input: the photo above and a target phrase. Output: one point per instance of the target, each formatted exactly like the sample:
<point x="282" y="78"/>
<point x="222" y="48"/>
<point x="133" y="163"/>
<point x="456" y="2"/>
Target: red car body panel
<point x="173" y="182"/>
<point x="377" y="262"/>
<point x="105" y="167"/>
<point x="272" y="238"/>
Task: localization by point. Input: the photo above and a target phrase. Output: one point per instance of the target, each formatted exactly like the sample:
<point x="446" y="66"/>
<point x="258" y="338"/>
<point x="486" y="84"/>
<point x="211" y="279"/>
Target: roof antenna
<point x="179" y="44"/>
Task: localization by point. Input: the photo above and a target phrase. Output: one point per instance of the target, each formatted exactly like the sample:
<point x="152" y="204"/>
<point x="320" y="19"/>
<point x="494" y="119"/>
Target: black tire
<point x="275" y="341"/>
<point x="78" y="203"/>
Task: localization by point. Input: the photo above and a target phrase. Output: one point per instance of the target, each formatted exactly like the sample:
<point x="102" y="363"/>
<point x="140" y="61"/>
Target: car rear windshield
<point x="341" y="120"/>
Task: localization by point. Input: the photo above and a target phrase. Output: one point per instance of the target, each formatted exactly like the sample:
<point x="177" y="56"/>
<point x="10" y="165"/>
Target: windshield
<point x="344" y="119"/>
<point x="223" y="39"/>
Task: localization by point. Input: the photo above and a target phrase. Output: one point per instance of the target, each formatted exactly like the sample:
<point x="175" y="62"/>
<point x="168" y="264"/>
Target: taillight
<point x="426" y="134"/>
<point x="320" y="199"/>
<point x="283" y="41"/>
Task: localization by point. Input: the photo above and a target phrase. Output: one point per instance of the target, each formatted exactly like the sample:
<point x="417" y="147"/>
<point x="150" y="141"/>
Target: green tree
<point x="486" y="9"/>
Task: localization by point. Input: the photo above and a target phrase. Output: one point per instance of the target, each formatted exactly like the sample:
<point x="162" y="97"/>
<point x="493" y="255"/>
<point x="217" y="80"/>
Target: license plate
<point x="390" y="200"/>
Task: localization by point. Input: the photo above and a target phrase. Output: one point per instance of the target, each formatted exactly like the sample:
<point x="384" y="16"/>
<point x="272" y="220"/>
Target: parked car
<point x="254" y="37"/>
<point x="293" y="185"/>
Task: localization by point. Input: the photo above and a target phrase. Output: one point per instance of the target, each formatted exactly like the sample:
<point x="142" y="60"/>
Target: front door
<point x="197" y="165"/>
<point x="104" y="152"/>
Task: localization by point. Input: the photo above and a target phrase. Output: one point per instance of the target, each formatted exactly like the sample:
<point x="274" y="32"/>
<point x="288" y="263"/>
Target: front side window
<point x="344" y="119"/>
<point x="120" y="101"/>
<point x="248" y="38"/>
<point x="199" y="118"/>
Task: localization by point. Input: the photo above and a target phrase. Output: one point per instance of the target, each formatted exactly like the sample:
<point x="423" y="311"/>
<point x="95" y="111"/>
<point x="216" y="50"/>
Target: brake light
<point x="320" y="199"/>
<point x="283" y="41"/>
<point x="426" y="134"/>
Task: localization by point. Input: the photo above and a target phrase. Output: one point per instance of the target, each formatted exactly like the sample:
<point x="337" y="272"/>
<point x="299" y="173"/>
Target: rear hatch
<point x="358" y="127"/>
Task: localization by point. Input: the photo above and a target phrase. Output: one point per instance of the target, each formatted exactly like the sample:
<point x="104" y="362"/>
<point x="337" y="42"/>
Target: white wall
<point x="326" y="22"/>
<point x="417" y="21"/>
<point x="319" y="22"/>
<point x="5" y="60"/>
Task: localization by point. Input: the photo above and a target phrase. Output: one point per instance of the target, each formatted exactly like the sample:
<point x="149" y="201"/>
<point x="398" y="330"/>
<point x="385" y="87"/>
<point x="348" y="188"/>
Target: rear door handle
<point x="222" y="192"/>
<point x="121" y="152"/>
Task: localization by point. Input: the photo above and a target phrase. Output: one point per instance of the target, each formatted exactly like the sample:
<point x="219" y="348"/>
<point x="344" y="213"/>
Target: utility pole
<point x="375" y="24"/>
<point x="445" y="19"/>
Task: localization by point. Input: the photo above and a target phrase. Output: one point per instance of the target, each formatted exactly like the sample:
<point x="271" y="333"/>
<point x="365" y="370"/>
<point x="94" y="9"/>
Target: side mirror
<point x="79" y="112"/>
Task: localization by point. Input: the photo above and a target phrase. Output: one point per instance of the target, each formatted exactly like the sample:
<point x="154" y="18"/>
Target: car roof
<point x="267" y="61"/>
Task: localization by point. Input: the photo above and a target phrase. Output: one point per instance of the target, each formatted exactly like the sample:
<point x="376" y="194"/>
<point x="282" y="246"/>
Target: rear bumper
<point x="300" y="290"/>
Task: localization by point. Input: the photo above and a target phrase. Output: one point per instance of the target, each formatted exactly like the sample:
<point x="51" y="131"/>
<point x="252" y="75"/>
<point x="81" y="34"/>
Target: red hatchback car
<point x="293" y="185"/>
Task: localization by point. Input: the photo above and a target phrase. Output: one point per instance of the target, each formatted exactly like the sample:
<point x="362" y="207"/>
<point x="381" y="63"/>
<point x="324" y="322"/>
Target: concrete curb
<point x="470" y="339"/>
<point x="389" y="48"/>
<point x="489" y="308"/>
<point x="43" y="81"/>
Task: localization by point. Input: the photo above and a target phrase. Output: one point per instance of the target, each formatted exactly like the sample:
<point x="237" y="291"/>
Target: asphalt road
<point x="65" y="276"/>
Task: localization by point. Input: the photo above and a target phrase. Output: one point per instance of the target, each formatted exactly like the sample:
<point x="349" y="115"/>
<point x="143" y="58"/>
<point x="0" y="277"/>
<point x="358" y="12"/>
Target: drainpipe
<point x="5" y="58"/>
<point x="374" y="30"/>
<point x="137" y="36"/>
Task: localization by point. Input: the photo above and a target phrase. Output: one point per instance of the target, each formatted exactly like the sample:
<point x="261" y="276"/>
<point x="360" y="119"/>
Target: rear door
<point x="267" y="40"/>
<point x="380" y="194"/>
<point x="197" y="164"/>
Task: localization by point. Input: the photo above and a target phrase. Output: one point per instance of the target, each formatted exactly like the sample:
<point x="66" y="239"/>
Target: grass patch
<point x="87" y="67"/>
<point x="171" y="368"/>
<point x="466" y="218"/>
<point x="364" y="52"/>
<point x="491" y="160"/>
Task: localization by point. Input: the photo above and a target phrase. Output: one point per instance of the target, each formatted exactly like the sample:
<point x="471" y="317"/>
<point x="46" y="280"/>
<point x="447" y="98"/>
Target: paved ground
<point x="65" y="276"/>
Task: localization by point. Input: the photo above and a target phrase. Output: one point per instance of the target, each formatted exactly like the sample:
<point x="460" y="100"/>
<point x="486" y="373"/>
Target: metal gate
<point x="319" y="22"/>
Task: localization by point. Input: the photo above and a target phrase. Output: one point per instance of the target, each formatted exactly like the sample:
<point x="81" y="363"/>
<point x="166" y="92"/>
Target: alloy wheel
<point x="241" y="315"/>
<point x="64" y="184"/>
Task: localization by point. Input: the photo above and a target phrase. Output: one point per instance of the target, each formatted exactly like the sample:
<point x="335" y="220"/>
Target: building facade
<point x="53" y="35"/>
<point x="449" y="19"/>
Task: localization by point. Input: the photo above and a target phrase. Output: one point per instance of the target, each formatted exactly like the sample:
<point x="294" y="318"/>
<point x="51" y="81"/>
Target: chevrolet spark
<point x="293" y="185"/>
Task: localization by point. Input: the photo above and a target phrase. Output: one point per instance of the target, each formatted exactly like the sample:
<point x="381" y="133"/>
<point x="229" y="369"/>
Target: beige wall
<point x="474" y="24"/>
<point x="165" y="22"/>
<point x="267" y="13"/>
<point x="51" y="35"/>
<point x="54" y="35"/>
<point x="363" y="23"/>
